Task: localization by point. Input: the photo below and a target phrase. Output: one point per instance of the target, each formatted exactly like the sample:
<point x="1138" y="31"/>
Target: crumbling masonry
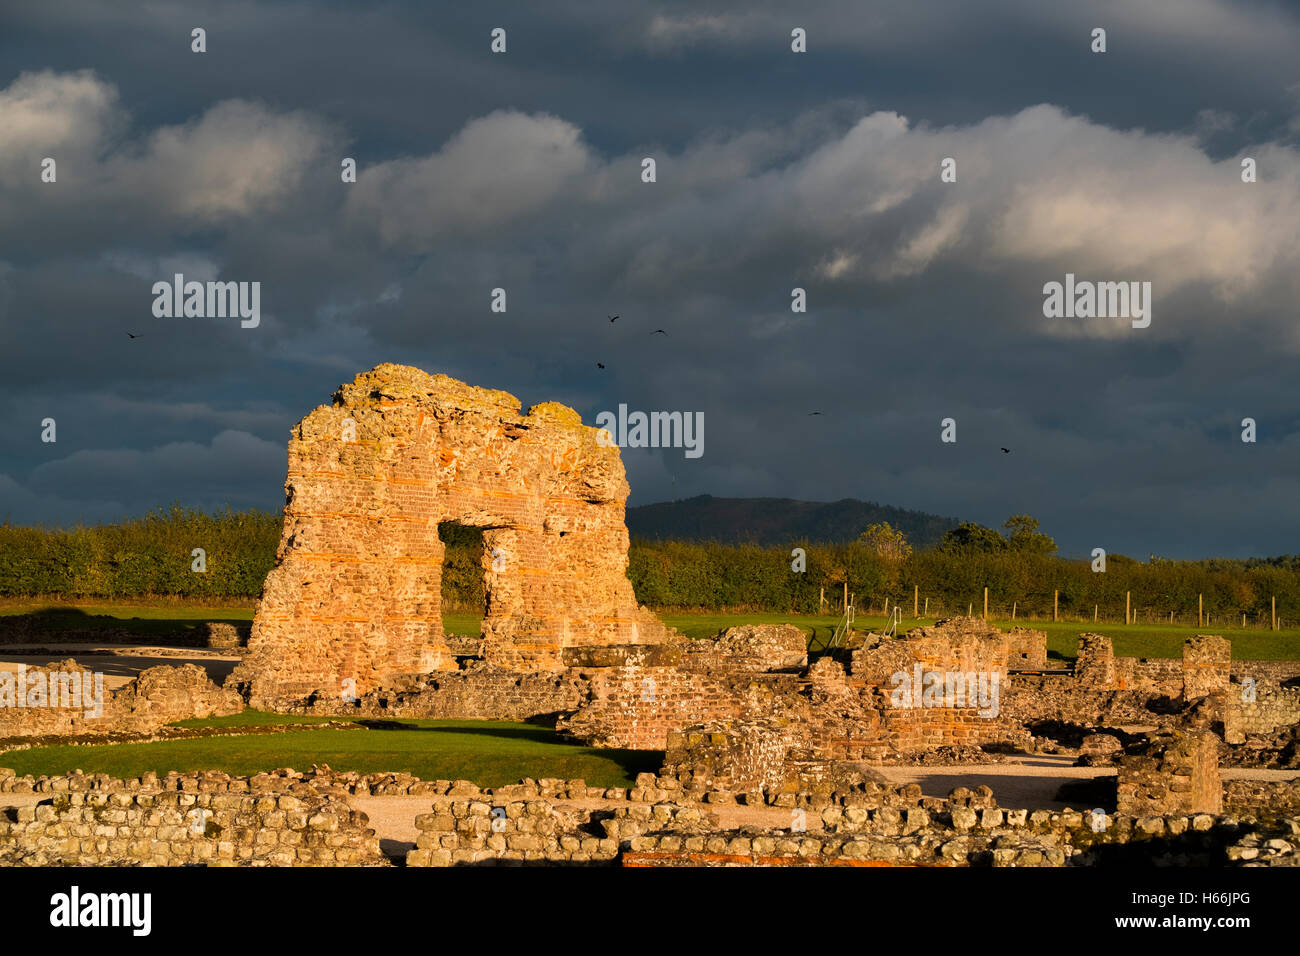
<point x="355" y="597"/>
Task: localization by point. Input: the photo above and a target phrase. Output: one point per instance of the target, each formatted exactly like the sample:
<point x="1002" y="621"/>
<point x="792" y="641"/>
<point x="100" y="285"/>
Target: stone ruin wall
<point x="288" y="818"/>
<point x="1172" y="776"/>
<point x="1272" y="708"/>
<point x="1278" y="671"/>
<point x="645" y="697"/>
<point x="356" y="590"/>
<point x="758" y="677"/>
<point x="158" y="696"/>
<point x="966" y="646"/>
<point x="1207" y="661"/>
<point x="153" y="825"/>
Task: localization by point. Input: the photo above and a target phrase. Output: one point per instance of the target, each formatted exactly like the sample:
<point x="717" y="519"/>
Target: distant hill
<point x="776" y="521"/>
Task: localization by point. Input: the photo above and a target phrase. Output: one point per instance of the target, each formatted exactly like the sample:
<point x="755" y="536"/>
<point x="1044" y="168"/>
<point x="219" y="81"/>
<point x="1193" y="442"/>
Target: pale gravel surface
<point x="120" y="665"/>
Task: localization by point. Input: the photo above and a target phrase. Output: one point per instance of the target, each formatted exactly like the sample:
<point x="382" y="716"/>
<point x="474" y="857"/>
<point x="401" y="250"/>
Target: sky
<point x="774" y="170"/>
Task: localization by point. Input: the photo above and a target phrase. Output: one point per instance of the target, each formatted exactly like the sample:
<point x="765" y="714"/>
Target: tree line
<point x="153" y="556"/>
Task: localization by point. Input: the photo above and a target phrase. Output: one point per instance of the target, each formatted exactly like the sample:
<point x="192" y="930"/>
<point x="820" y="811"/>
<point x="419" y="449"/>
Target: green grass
<point x="253" y="718"/>
<point x="490" y="753"/>
<point x="1135" y="640"/>
<point x="149" y="619"/>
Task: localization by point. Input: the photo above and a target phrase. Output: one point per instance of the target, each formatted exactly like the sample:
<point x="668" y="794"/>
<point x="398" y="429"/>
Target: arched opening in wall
<point x="464" y="598"/>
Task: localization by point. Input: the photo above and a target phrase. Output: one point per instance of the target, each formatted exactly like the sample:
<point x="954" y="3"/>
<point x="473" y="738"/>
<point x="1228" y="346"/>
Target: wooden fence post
<point x="1013" y="610"/>
<point x="916" y="599"/>
<point x="927" y="607"/>
<point x="986" y="604"/>
<point x="1128" y="601"/>
<point x="1056" y="604"/>
<point x="1094" y="614"/>
<point x="1200" y="610"/>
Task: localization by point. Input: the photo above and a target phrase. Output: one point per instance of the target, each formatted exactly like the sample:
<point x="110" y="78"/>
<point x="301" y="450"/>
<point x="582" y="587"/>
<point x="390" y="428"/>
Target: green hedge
<point x="152" y="557"/>
<point x="149" y="556"/>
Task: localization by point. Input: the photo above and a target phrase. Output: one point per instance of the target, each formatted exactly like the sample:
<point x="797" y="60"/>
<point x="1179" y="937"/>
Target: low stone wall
<point x="475" y="832"/>
<point x="167" y="828"/>
<point x="1030" y="699"/>
<point x="962" y="645"/>
<point x="1271" y="708"/>
<point x="1262" y="796"/>
<point x="738" y="756"/>
<point x="755" y="647"/>
<point x="1171" y="775"/>
<point x="517" y="832"/>
<point x="487" y="832"/>
<point x="1278" y="671"/>
<point x="220" y="634"/>
<point x="478" y="691"/>
<point x="638" y="707"/>
<point x="158" y="696"/>
<point x="1203" y="670"/>
<point x="1153" y="677"/>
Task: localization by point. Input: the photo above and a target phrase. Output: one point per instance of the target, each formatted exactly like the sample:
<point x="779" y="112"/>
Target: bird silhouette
<point x="598" y="365"/>
<point x="814" y="413"/>
<point x="129" y="335"/>
<point x="658" y="332"/>
<point x="612" y="318"/>
<point x="1006" y="450"/>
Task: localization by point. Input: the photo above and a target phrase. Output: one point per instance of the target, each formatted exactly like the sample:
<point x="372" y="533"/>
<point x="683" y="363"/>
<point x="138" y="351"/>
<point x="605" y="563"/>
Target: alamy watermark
<point x="208" y="300"/>
<point x="59" y="689"/>
<point x="922" y="688"/>
<point x="1098" y="300"/>
<point x="654" y="430"/>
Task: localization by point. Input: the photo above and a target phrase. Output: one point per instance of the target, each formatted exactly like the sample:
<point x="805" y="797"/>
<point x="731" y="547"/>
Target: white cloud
<point x="236" y="160"/>
<point x="498" y="167"/>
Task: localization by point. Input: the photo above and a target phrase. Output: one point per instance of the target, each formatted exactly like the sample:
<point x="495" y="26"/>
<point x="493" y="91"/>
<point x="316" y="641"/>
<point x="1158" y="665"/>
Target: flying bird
<point x="1006" y="450"/>
<point x="814" y="413"/>
<point x="658" y="332"/>
<point x="598" y="365"/>
<point x="612" y="318"/>
<point x="132" y="336"/>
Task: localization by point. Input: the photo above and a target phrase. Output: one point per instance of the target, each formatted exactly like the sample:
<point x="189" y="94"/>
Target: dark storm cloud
<point x="775" y="170"/>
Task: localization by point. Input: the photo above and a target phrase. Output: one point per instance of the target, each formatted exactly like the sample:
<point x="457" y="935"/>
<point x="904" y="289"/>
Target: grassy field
<point x="1134" y="640"/>
<point x="490" y="753"/>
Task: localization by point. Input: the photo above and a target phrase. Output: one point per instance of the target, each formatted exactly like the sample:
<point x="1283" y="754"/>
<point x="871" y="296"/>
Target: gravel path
<point x="1029" y="782"/>
<point x="120" y="665"/>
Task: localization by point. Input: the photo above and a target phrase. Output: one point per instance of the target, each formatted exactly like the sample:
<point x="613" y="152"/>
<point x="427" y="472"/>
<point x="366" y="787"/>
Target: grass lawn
<point x="1134" y="640"/>
<point x="490" y="753"/>
<point x="153" y="618"/>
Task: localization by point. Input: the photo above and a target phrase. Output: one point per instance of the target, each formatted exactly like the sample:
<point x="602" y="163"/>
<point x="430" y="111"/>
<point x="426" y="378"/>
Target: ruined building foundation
<point x="355" y="597"/>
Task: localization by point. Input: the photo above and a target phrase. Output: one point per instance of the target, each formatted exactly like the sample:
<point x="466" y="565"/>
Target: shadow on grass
<point x="55" y="619"/>
<point x="537" y="735"/>
<point x="631" y="762"/>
